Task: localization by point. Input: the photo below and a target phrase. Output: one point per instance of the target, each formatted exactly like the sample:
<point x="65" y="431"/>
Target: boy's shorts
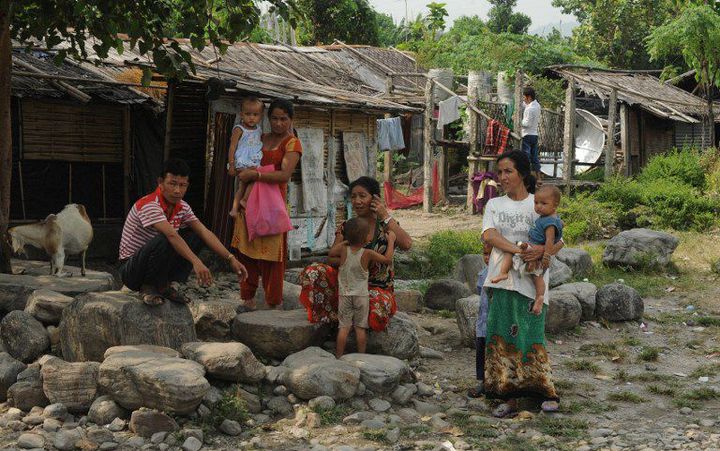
<point x="354" y="311"/>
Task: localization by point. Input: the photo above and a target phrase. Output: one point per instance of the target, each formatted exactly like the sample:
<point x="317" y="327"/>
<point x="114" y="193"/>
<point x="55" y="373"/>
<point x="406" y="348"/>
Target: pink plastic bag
<point x="266" y="213"/>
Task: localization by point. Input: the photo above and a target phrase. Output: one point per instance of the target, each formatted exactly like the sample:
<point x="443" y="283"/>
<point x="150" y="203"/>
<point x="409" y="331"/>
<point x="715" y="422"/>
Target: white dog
<point x="67" y="233"/>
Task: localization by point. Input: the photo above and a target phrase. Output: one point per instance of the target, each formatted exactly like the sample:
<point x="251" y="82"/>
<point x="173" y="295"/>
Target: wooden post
<point x="168" y="118"/>
<point x="126" y="158"/>
<point x="388" y="85"/>
<point x="473" y="118"/>
<point x="518" y="113"/>
<point x="625" y="138"/>
<point x="569" y="134"/>
<point x="388" y="161"/>
<point x="428" y="147"/>
<point x="610" y="137"/>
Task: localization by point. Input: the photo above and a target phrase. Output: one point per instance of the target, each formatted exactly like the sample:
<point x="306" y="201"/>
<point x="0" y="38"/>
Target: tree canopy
<point x="502" y="19"/>
<point x="350" y="21"/>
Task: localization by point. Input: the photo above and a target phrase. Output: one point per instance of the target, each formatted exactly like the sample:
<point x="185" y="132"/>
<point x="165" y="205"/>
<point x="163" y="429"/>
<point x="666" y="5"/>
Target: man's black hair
<point x="175" y="166"/>
<point x="529" y="91"/>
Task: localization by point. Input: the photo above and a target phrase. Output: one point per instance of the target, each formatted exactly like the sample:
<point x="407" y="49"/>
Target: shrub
<point x="681" y="165"/>
<point x="447" y="247"/>
<point x="678" y="206"/>
<point x="586" y="219"/>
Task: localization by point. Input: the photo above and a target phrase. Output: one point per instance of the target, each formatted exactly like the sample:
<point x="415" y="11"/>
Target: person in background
<point x="481" y="327"/>
<point x="530" y="123"/>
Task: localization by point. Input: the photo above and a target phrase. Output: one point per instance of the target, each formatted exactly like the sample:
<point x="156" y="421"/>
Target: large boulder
<point x="585" y="293"/>
<point x="577" y="259"/>
<point x="563" y="313"/>
<point x="13" y="297"/>
<point x="618" y="302"/>
<point x="291" y="296"/>
<point x="467" y="269"/>
<point x="640" y="248"/>
<point x="72" y="384"/>
<point x="559" y="272"/>
<point x="229" y="361"/>
<point x="139" y="378"/>
<point x="23" y="336"/>
<point x="146" y="422"/>
<point x="9" y="370"/>
<point x="442" y="294"/>
<point x="277" y="333"/>
<point x="408" y="300"/>
<point x="380" y="373"/>
<point x="399" y="339"/>
<point x="95" y="322"/>
<point x="314" y="372"/>
<point x="47" y="305"/>
<point x="27" y="394"/>
<point x="213" y="319"/>
<point x="466" y="314"/>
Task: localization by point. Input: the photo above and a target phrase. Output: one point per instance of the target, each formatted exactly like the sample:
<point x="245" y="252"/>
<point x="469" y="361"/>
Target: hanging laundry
<point x="496" y="138"/>
<point x="314" y="190"/>
<point x="356" y="155"/>
<point x="390" y="134"/>
<point x="448" y="111"/>
<point x="485" y="187"/>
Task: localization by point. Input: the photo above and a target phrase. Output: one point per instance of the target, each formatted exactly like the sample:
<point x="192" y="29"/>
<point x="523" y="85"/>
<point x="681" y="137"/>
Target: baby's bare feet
<point x="499" y="278"/>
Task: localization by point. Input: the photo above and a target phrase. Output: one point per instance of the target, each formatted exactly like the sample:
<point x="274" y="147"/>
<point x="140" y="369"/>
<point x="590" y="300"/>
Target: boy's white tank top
<point x="352" y="278"/>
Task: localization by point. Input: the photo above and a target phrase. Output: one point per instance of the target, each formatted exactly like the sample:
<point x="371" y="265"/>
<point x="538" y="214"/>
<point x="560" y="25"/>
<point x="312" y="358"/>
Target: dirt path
<point x="420" y="225"/>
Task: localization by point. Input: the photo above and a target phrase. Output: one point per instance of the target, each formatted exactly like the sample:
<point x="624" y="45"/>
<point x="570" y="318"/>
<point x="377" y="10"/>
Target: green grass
<point x="582" y="365"/>
<point x="651" y="377"/>
<point x="449" y="314"/>
<point x="586" y="406"/>
<point x="649" y="354"/>
<point x="708" y="321"/>
<point x="632" y="341"/>
<point x="710" y="369"/>
<point x="625" y="396"/>
<point x="611" y="350"/>
<point x="561" y="427"/>
<point x="471" y="428"/>
<point x="661" y="390"/>
<point x="701" y="394"/>
<point x="514" y="443"/>
<point x="375" y="436"/>
<point x="334" y="415"/>
<point x="231" y="406"/>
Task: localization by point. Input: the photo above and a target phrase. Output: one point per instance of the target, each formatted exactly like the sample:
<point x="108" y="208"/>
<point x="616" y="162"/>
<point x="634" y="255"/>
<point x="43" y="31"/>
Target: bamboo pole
<point x="610" y="137"/>
<point x="168" y="119"/>
<point x="517" y="114"/>
<point x="428" y="146"/>
<point x="83" y="80"/>
<point x="126" y="158"/>
<point x="72" y="91"/>
<point x="473" y="85"/>
<point x="625" y="138"/>
<point x="569" y="134"/>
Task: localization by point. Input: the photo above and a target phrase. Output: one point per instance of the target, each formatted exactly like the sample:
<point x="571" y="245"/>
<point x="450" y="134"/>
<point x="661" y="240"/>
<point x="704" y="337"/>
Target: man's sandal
<point x="173" y="295"/>
<point x="152" y="299"/>
<point x="550" y="406"/>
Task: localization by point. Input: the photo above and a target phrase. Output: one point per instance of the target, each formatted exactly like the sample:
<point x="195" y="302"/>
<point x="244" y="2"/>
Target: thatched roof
<point x="637" y="88"/>
<point x="334" y="76"/>
<point x="35" y="75"/>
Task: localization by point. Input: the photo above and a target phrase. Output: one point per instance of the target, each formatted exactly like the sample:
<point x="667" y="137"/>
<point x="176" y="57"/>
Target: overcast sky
<point x="540" y="11"/>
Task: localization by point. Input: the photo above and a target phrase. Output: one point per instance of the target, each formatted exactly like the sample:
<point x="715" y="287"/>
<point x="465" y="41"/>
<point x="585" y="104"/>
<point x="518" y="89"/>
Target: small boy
<point x="354" y="302"/>
<point x="481" y="326"/>
<point x="245" y="148"/>
<point x="547" y="231"/>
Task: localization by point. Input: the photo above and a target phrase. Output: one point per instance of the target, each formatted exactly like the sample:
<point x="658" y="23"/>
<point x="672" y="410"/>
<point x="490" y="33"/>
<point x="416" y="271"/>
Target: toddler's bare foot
<point x="500" y="277"/>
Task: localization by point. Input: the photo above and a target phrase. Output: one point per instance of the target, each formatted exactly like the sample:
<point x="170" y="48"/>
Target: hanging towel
<point x="355" y="150"/>
<point x="449" y="111"/>
<point x="496" y="138"/>
<point x="390" y="134"/>
<point x="314" y="190"/>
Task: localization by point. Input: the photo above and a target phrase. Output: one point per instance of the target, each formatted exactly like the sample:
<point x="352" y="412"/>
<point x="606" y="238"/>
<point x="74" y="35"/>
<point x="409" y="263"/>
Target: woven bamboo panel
<point x="61" y="131"/>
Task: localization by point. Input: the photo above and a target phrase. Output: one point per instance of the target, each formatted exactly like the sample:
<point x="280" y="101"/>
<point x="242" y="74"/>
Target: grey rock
<point x="292" y="275"/>
<point x="135" y="379"/>
<point x="408" y="300"/>
<point x="278" y="334"/>
<point x="640" y="247"/>
<point x="601" y="432"/>
<point x="227" y="361"/>
<point x="399" y="339"/>
<point x="230" y="427"/>
<point x="95" y="322"/>
<point x="358" y="417"/>
<point x="72" y="384"/>
<point x="577" y="259"/>
<point x="17" y="426"/>
<point x="438" y="423"/>
<point x="442" y="294"/>
<point x="146" y="422"/>
<point x="321" y="403"/>
<point x="9" y="370"/>
<point x="108" y="446"/>
<point x="212" y="397"/>
<point x="466" y="313"/>
<point x="158" y="437"/>
<point x="117" y="425"/>
<point x="315" y="372"/>
<point x="425" y="408"/>
<point x="51" y="425"/>
<point x="585" y="293"/>
<point x="424" y="389"/>
<point x="23" y="336"/>
<point x="280" y="390"/>
<point x="29" y="441"/>
<point x="153" y="349"/>
<point x="280" y="405"/>
<point x="100" y="435"/>
<point x="291" y="296"/>
<point x="47" y="306"/>
<point x="194" y="432"/>
<point x="135" y="442"/>
<point x="563" y="313"/>
<point x="213" y="319"/>
<point x="275" y="374"/>
<point x="429" y="353"/>
<point x="379" y="405"/>
<point x="33" y="419"/>
<point x="57" y="411"/>
<point x="618" y="302"/>
<point x="559" y="272"/>
<point x="104" y="410"/>
<point x="191" y="444"/>
<point x="403" y="393"/>
<point x="65" y="440"/>
<point x="686" y="411"/>
<point x="380" y="373"/>
<point x="30" y="374"/>
<point x="252" y="401"/>
<point x="372" y="425"/>
<point x="27" y="394"/>
<point x="467" y="269"/>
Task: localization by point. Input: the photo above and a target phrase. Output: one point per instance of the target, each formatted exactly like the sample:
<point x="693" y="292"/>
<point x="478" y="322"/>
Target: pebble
<point x="686" y="411"/>
<point x="357" y="417"/>
<point x="117" y="425"/>
<point x="372" y="424"/>
<point x="280" y="390"/>
<point x="708" y="423"/>
<point x="135" y="441"/>
<point x="51" y="425"/>
<point x="33" y="420"/>
<point x="108" y="446"/>
<point x="379" y="405"/>
<point x="429" y="353"/>
<point x="192" y="432"/>
<point x="57" y="411"/>
<point x="65" y="440"/>
<point x="158" y="437"/>
<point x="230" y="427"/>
<point x="191" y="444"/>
<point x="424" y="389"/>
<point x="29" y="441"/>
<point x="600" y="432"/>
<point x="322" y="403"/>
<point x="437" y="423"/>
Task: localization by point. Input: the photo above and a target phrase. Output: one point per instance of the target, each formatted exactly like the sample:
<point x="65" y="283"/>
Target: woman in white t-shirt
<point x="516" y="362"/>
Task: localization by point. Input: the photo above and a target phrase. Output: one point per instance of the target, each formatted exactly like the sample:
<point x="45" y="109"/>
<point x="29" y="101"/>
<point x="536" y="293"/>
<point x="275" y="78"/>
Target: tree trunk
<point x="711" y="115"/>
<point x="5" y="133"/>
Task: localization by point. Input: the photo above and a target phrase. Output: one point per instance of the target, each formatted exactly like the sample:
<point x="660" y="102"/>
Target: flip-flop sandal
<point x="152" y="299"/>
<point x="476" y="392"/>
<point x="249" y="304"/>
<point x="173" y="295"/>
<point x="504" y="410"/>
<point x="550" y="406"/>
